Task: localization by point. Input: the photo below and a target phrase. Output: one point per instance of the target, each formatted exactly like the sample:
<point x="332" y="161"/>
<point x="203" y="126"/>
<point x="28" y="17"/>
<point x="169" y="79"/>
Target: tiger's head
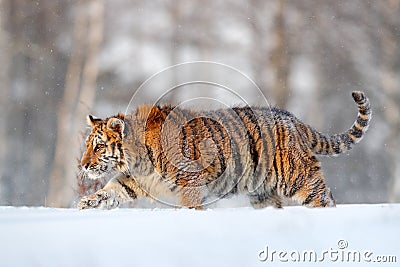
<point x="104" y="147"/>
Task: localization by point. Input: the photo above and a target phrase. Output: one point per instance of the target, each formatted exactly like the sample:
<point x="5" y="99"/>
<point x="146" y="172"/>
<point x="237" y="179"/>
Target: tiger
<point x="191" y="158"/>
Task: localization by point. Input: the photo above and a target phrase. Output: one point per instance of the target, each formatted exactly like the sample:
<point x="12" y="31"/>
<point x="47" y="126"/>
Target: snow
<point x="183" y="237"/>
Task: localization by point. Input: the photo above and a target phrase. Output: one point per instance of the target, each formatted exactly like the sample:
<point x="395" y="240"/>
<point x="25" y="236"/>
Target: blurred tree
<point x="5" y="58"/>
<point x="174" y="9"/>
<point x="280" y="57"/>
<point x="259" y="54"/>
<point x="79" y="93"/>
<point x="31" y="93"/>
<point x="175" y="12"/>
<point x="390" y="11"/>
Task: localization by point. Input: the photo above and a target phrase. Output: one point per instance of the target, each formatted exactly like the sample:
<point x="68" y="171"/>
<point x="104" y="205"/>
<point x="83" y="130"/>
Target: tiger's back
<point x="265" y="153"/>
<point x="226" y="151"/>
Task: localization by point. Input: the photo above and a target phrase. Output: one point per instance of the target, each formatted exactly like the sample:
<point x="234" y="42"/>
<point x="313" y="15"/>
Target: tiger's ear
<point x="92" y="121"/>
<point x="115" y="124"/>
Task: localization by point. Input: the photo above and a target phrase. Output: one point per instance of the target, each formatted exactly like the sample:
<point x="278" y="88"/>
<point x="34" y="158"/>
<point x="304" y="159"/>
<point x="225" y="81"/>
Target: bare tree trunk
<point x="5" y="58"/>
<point x="256" y="56"/>
<point x="174" y="8"/>
<point x="175" y="13"/>
<point x="90" y="70"/>
<point x="280" y="58"/>
<point x="390" y="84"/>
<point x="60" y="191"/>
<point x="71" y="116"/>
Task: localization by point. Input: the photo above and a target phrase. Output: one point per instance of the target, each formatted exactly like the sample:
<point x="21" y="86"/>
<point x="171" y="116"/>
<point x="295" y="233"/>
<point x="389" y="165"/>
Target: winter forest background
<point x="63" y="59"/>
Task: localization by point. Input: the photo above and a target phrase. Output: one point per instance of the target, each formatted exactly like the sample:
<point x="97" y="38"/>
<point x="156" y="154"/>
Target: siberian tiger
<point x="190" y="158"/>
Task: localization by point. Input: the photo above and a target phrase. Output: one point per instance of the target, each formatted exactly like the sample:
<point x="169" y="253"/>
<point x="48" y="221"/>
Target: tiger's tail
<point x="339" y="143"/>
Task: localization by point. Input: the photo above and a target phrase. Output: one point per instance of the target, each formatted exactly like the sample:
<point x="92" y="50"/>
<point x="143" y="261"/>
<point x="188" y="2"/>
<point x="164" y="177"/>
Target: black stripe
<point x="247" y="113"/>
<point x="173" y="187"/>
<point x="128" y="190"/>
<point x="220" y="142"/>
<point x="362" y="122"/>
<point x="280" y="138"/>
<point x="332" y="145"/>
<point x="310" y="197"/>
<point x="304" y="130"/>
<point x="329" y="145"/>
<point x="120" y="150"/>
<point x="291" y="173"/>
<point x="193" y="128"/>
<point x="314" y="142"/>
<point x="299" y="134"/>
<point x="162" y="167"/>
<point x="189" y="147"/>
<point x="296" y="185"/>
<point x="364" y="110"/>
<point x="314" y="169"/>
<point x="279" y="175"/>
<point x="313" y="158"/>
<point x="227" y="120"/>
<point x="173" y="115"/>
<point x="323" y="201"/>
<point x="234" y="189"/>
<point x="165" y="110"/>
<point x="112" y="148"/>
<point x="347" y="141"/>
<point x="150" y="154"/>
<point x="361" y="101"/>
<point x="268" y="120"/>
<point x="217" y="142"/>
<point x="336" y="145"/>
<point x="276" y="170"/>
<point x="356" y="132"/>
<point x="267" y="152"/>
<point x="323" y="143"/>
<point x="184" y="142"/>
<point x="314" y="192"/>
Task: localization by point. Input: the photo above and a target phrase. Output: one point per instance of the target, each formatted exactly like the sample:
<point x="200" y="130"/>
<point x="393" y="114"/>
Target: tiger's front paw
<point x="99" y="200"/>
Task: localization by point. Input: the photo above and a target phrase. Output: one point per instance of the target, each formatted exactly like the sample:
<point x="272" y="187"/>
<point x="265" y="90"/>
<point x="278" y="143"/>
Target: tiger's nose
<point x="85" y="162"/>
<point x="86" y="166"/>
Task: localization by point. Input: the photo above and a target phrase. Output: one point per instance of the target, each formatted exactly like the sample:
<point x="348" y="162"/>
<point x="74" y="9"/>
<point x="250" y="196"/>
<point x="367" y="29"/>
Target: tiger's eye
<point x="98" y="147"/>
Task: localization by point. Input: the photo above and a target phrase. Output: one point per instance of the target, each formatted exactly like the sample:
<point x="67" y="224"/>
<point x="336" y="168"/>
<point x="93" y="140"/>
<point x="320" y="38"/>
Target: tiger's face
<point x="104" y="147"/>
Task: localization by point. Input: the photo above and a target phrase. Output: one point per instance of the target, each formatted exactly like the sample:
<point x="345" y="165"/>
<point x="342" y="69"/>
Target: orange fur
<point x="166" y="152"/>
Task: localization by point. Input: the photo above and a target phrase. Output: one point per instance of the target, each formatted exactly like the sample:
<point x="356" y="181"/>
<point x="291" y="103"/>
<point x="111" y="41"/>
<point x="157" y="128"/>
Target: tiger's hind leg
<point x="266" y="199"/>
<point x="308" y="187"/>
<point x="315" y="194"/>
<point x="191" y="197"/>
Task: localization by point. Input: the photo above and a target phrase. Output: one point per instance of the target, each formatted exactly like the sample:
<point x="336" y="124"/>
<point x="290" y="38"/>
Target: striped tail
<point x="340" y="143"/>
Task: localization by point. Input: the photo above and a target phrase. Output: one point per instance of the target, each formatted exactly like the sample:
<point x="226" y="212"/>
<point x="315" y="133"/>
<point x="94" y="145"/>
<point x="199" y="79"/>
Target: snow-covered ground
<point x="217" y="237"/>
